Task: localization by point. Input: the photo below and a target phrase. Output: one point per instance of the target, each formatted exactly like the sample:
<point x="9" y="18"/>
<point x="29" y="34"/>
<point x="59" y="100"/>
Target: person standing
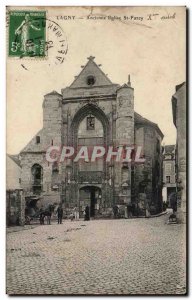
<point x="41" y="217"/>
<point x="72" y="216"/>
<point x="87" y="214"/>
<point x="60" y="214"/>
<point x="147" y="212"/>
<point x="129" y="210"/>
<point x="48" y="214"/>
<point x="49" y="218"/>
<point x="76" y="213"/>
<point x="115" y="211"/>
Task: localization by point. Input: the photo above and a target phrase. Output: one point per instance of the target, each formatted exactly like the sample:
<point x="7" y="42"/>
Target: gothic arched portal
<point x="81" y="114"/>
<point x="91" y="172"/>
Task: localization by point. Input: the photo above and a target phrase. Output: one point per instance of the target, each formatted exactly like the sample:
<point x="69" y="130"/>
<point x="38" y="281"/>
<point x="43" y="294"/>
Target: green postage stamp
<point x="27" y="33"/>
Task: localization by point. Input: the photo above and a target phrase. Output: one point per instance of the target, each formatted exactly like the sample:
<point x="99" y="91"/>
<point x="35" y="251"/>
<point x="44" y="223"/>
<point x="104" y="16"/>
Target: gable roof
<point x="15" y="158"/>
<point x="179" y="86"/>
<point x="91" y="69"/>
<point x="53" y="93"/>
<point x="32" y="146"/>
<point x="141" y="120"/>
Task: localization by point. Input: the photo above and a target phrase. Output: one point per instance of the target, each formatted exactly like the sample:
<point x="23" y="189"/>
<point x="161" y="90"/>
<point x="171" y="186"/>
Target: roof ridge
<point x="148" y="121"/>
<point x="94" y="63"/>
<point x="53" y="93"/>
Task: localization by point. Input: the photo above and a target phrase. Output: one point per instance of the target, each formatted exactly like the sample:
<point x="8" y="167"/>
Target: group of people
<point x="59" y="212"/>
<point x="117" y="213"/>
<point x="75" y="214"/>
<point x="48" y="213"/>
<point x="128" y="211"/>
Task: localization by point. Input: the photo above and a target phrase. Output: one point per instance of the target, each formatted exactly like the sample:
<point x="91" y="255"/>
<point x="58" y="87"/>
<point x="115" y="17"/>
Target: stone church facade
<point x="94" y="111"/>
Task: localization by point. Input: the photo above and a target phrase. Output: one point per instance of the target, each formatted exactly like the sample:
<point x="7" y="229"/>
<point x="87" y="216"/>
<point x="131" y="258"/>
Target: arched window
<point x="37" y="178"/>
<point x="55" y="174"/>
<point x="55" y="168"/>
<point x="125" y="174"/>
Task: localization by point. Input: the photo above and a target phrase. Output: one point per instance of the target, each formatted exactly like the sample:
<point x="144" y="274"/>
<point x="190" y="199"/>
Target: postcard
<point x="96" y="150"/>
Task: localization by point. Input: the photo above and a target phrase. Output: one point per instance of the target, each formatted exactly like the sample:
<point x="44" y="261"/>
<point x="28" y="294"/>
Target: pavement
<point x="123" y="256"/>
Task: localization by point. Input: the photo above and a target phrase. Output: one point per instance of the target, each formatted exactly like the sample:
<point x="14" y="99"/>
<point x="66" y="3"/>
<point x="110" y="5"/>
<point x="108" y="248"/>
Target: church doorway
<point x="91" y="196"/>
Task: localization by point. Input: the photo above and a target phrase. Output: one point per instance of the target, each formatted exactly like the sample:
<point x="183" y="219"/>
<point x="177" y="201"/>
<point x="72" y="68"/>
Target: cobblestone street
<point x="135" y="256"/>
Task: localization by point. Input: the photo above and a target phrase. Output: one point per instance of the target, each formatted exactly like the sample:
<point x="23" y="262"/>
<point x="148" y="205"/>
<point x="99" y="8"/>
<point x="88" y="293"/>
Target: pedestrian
<point x="87" y="213"/>
<point x="49" y="218"/>
<point x="133" y="209"/>
<point x="147" y="212"/>
<point x="76" y="213"/>
<point x="115" y="211"/>
<point x="129" y="210"/>
<point x="71" y="216"/>
<point x="48" y="214"/>
<point x="59" y="214"/>
<point x="41" y="217"/>
<point x="173" y="201"/>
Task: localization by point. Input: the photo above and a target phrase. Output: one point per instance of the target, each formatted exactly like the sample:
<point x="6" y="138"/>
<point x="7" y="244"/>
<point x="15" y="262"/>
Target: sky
<point x="151" y="51"/>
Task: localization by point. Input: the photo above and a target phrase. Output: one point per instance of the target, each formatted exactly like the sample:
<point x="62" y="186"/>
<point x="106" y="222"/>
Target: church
<point x="93" y="111"/>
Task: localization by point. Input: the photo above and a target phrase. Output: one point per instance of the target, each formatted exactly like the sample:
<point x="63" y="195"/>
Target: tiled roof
<point x="141" y="120"/>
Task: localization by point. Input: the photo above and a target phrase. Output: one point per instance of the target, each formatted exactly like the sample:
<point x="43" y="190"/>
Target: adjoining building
<point x="169" y="183"/>
<point x="94" y="111"/>
<point x="15" y="203"/>
<point x="179" y="120"/>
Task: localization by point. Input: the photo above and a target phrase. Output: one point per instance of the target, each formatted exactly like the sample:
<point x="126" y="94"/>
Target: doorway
<point x="89" y="195"/>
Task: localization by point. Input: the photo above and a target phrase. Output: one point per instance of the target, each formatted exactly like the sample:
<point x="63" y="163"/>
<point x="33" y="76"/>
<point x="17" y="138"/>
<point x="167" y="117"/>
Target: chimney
<point x="129" y="80"/>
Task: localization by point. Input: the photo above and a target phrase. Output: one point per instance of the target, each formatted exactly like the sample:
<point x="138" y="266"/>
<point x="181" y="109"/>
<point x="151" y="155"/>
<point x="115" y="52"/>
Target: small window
<point x="37" y="139"/>
<point x="55" y="167"/>
<point x="158" y="146"/>
<point x="168" y="179"/>
<point x="90" y="80"/>
<point x="37" y="178"/>
<point x="90" y="123"/>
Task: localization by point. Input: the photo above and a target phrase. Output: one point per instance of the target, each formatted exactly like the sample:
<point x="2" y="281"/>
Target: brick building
<point x="94" y="111"/>
<point x="179" y="120"/>
<point x="169" y="183"/>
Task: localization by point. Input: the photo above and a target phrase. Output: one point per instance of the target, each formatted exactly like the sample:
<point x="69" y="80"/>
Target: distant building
<point x="15" y="205"/>
<point x="179" y="120"/>
<point x="169" y="183"/>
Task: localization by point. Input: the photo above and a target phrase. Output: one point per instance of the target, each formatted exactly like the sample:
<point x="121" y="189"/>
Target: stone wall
<point x="124" y="136"/>
<point x="180" y="115"/>
<point x="148" y="175"/>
